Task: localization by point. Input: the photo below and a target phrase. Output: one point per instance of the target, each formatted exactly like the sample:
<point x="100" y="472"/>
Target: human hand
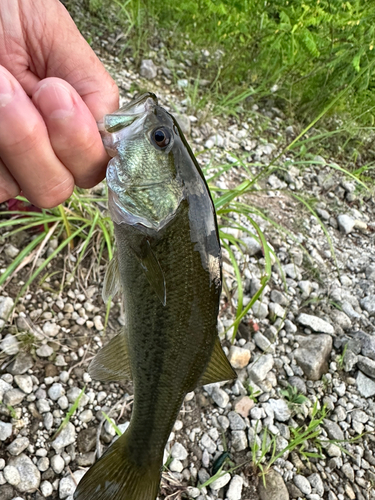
<point x="53" y="89"/>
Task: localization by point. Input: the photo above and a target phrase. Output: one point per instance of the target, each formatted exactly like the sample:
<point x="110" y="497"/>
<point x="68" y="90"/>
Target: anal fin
<point x="111" y="364"/>
<point x="218" y="368"/>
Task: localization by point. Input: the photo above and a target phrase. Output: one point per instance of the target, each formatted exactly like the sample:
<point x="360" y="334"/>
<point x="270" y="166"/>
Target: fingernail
<point x="6" y="89"/>
<point x="54" y="101"/>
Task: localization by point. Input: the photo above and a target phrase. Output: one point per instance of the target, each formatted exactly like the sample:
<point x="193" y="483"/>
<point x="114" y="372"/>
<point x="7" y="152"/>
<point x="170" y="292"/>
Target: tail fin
<point x="115" y="477"/>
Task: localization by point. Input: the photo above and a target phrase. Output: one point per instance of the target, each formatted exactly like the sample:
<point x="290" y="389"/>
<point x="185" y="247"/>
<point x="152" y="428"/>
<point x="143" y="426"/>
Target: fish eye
<point x="161" y="137"/>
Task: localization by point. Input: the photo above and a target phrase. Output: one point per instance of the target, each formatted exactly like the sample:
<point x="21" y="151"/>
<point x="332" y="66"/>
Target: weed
<point x="112" y="423"/>
<point x="70" y="413"/>
<point x="340" y="359"/>
<point x="252" y="393"/>
<point x="11" y="410"/>
<point x="293" y="396"/>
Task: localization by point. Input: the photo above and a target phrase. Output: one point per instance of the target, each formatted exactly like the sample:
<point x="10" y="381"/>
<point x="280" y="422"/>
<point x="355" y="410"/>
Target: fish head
<point x="143" y="184"/>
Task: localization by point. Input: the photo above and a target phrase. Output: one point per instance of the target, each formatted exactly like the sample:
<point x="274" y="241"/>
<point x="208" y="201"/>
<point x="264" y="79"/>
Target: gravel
<point x="313" y="330"/>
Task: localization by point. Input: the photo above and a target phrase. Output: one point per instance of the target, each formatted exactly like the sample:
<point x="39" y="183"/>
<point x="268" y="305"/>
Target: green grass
<point x="70" y="413"/>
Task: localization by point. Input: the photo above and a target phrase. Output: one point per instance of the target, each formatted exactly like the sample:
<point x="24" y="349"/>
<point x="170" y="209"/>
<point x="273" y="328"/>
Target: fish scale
<point x="169" y="267"/>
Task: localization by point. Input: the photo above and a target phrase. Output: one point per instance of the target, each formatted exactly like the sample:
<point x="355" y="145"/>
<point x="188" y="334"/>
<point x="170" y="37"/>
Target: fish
<point x="168" y="269"/>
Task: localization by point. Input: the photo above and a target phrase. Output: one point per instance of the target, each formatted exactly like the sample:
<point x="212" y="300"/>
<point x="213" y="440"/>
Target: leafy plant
<point x="293" y="396"/>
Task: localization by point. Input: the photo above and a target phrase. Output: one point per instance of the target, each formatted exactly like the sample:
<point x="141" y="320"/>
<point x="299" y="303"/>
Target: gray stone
<point x="346" y="223"/>
<point x="220" y="482"/>
<point x="239" y="440"/>
<point x="274" y="489"/>
<point x="306" y="288"/>
<point x="367" y="366"/>
<point x="50" y="329"/>
<point x="302" y="484"/>
<point x="178" y="451"/>
<point x="5" y="430"/>
<point x="18" y="446"/>
<point x="334" y="431"/>
<point x="46" y="488"/>
<point x="340" y="318"/>
<point x="292" y="271"/>
<point x="313" y="354"/>
<point x="260" y="310"/>
<point x="366" y="342"/>
<point x="316" y="324"/>
<point x="220" y="397"/>
<point x="347" y="469"/>
<point x="252" y="246"/>
<point x="280" y="409"/>
<point x="11" y="475"/>
<point x="66" y="437"/>
<point x="365" y="385"/>
<point x="237" y="423"/>
<point x="263" y="343"/>
<point x="317" y="484"/>
<point x="349" y="361"/>
<point x="9" y="345"/>
<point x="299" y="383"/>
<point x="176" y="465"/>
<point x="13" y="397"/>
<point x="6" y="305"/>
<point x="56" y="391"/>
<point x="43" y="405"/>
<point x="276" y="310"/>
<point x="67" y="485"/>
<point x="29" y="474"/>
<point x="24" y="382"/>
<point x="148" y="69"/>
<point x="21" y="364"/>
<point x="260" y="367"/>
<point x="57" y="464"/>
<point x="368" y="304"/>
<point x="44" y="351"/>
<point x="279" y="298"/>
<point x="235" y="488"/>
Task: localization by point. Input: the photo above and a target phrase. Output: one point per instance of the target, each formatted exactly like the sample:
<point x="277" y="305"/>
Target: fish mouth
<point x="127" y="114"/>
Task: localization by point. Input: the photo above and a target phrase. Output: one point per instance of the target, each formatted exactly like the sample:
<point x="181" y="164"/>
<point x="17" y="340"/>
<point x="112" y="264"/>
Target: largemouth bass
<point x="168" y="267"/>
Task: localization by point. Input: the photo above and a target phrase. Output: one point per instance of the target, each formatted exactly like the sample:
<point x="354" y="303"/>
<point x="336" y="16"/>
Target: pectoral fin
<point x="218" y="368"/>
<point x="112" y="364"/>
<point x="111" y="283"/>
<point x="153" y="271"/>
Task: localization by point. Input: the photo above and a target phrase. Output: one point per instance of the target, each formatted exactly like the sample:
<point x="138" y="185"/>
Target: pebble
<point x="313" y="354"/>
<point x="5" y="430"/>
<point x="220" y="482"/>
<point x="56" y="391"/>
<point x="9" y="345"/>
<point x="236" y="422"/>
<point x="148" y="69"/>
<point x="6" y="305"/>
<point x="18" y="446"/>
<point x="11" y="475"/>
<point x="280" y="409"/>
<point x="13" y="397"/>
<point x="346" y="223"/>
<point x="365" y="385"/>
<point x="67" y="485"/>
<point x="263" y="343"/>
<point x="302" y="484"/>
<point x="44" y="351"/>
<point x="220" y="397"/>
<point x="51" y="329"/>
<point x="28" y="472"/>
<point x="24" y="382"/>
<point x="259" y="369"/>
<point x="46" y="488"/>
<point x="179" y="452"/>
<point x="239" y="440"/>
<point x="235" y="488"/>
<point x="243" y="405"/>
<point x="57" y="464"/>
<point x="66" y="437"/>
<point x="238" y="357"/>
<point x="316" y="324"/>
<point x="273" y="488"/>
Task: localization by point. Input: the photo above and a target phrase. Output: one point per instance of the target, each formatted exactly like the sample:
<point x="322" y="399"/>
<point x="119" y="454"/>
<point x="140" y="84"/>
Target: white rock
<point x="148" y="69"/>
<point x="346" y="223"/>
<point x="9" y="345"/>
<point x="66" y="437"/>
<point x="46" y="488"/>
<point x="6" y="305"/>
<point x="178" y="451"/>
<point x="315" y="323"/>
<point x="220" y="397"/>
<point x="280" y="409"/>
<point x="51" y="329"/>
<point x="176" y="466"/>
<point x="260" y="367"/>
<point x="302" y="484"/>
<point x="11" y="475"/>
<point x="67" y="485"/>
<point x="98" y="323"/>
<point x="5" y="430"/>
<point x="220" y="482"/>
<point x="57" y="464"/>
<point x="17" y="446"/>
<point x="29" y="474"/>
<point x="24" y="382"/>
<point x="235" y="488"/>
<point x="56" y="391"/>
<point x="44" y="351"/>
